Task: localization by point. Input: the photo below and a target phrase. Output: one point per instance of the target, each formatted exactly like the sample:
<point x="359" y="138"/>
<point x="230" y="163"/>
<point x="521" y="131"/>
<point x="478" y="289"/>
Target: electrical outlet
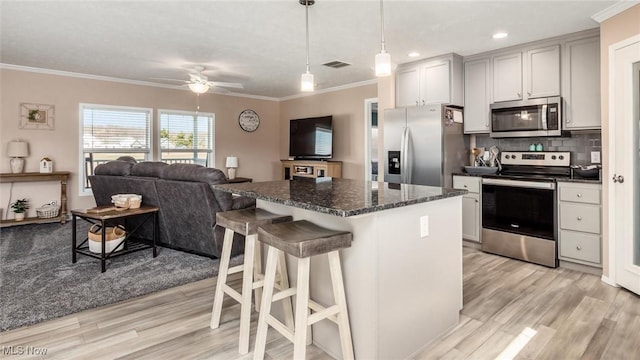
<point x="424" y="226"/>
<point x="595" y="157"/>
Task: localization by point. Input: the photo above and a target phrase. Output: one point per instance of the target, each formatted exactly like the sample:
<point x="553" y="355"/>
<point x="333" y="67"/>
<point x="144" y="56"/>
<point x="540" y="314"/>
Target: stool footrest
<point x="236" y="269"/>
<point x="232" y="292"/>
<point x="276" y="324"/>
<point x="284" y="294"/>
<point x="322" y="313"/>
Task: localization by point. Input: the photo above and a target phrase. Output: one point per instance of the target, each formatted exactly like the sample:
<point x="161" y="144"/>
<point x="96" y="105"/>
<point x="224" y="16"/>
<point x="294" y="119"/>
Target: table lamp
<point x="17" y="150"/>
<point x="232" y="164"/>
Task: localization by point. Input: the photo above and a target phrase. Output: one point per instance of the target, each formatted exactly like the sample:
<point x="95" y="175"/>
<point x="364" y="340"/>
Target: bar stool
<point x="246" y="222"/>
<point x="303" y="239"/>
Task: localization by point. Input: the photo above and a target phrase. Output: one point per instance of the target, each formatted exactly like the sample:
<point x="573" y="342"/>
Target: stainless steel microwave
<point x="527" y="118"/>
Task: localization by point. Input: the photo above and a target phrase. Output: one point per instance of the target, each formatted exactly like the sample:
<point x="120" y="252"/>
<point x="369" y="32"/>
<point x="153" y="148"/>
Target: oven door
<point x="519" y="219"/>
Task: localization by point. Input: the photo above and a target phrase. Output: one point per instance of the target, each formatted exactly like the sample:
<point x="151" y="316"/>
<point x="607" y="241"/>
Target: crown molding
<point x="119" y="80"/>
<point x="332" y="89"/>
<point x="613" y="10"/>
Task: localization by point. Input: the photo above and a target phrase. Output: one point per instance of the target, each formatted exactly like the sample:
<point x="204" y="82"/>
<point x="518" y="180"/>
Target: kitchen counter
<point x="340" y="197"/>
<point x="563" y="179"/>
<point x="403" y="271"/>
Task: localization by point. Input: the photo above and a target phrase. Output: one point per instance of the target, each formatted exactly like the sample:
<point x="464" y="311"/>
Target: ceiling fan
<point x="199" y="83"/>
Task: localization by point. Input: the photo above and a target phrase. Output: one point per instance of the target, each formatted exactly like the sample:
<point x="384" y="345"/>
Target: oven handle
<point x="521" y="184"/>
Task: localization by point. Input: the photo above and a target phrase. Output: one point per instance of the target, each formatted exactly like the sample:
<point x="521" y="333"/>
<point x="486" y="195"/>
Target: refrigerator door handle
<point x="404" y="147"/>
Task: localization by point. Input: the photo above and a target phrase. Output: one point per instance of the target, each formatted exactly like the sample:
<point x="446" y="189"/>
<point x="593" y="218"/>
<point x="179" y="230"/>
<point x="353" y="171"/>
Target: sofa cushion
<point x="149" y="169"/>
<point x="114" y="168"/>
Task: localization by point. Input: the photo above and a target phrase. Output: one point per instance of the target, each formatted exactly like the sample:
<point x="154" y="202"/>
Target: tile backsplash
<point x="579" y="144"/>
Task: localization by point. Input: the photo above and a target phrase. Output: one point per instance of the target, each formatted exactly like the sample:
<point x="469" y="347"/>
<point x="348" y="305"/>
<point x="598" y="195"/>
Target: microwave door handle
<point x="544" y="117"/>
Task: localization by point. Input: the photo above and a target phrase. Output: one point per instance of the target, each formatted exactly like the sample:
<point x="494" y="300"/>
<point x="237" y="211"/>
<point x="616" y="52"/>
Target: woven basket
<point x="48" y="211"/>
<point x="113" y="237"/>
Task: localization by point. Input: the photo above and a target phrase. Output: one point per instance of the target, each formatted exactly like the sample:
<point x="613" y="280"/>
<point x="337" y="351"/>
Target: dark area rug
<point x="39" y="282"/>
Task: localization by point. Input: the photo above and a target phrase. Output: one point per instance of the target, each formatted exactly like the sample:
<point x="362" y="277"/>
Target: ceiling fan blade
<point x="165" y="79"/>
<point x="225" y="84"/>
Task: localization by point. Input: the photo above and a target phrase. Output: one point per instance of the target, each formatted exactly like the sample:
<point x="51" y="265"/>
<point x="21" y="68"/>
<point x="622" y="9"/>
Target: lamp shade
<point x="199" y="88"/>
<point x="232" y="162"/>
<point x="306" y="82"/>
<point x="383" y="64"/>
<point x="18" y="149"/>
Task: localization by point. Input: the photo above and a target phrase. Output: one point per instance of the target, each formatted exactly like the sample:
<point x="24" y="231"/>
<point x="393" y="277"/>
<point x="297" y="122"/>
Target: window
<point x="186" y="137"/>
<point x="109" y="132"/>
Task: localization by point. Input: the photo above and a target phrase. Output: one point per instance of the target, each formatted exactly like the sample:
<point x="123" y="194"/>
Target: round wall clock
<point x="249" y="120"/>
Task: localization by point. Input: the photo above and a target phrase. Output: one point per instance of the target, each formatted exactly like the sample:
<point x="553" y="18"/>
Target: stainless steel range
<point x="519" y="218"/>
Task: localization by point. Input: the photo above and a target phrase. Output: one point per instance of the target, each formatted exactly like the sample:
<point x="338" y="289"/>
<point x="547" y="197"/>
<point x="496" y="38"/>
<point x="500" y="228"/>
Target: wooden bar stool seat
<point x="303" y="239"/>
<point x="246" y="222"/>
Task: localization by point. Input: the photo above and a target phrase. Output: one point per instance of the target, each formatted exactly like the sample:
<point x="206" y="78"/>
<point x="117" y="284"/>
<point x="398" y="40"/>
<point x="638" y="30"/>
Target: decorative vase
<point x="19" y="216"/>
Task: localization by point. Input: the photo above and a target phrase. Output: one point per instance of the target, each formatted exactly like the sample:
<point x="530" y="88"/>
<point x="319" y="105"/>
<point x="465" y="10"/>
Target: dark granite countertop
<point x="559" y="179"/>
<point x="340" y="197"/>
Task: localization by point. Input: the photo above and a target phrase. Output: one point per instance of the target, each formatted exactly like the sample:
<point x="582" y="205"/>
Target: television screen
<point x="311" y="138"/>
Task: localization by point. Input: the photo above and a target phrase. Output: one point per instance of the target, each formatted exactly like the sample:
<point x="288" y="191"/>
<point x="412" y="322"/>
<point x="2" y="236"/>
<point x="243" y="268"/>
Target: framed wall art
<point x="37" y="116"/>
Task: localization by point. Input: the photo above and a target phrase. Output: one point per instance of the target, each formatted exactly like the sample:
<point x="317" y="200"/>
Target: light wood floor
<point x="511" y="309"/>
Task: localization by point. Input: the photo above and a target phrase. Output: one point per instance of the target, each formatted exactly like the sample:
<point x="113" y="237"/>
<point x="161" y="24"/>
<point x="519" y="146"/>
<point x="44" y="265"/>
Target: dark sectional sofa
<point x="183" y="192"/>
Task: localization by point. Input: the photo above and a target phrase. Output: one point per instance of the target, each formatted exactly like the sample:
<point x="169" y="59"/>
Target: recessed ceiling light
<point x="500" y="35"/>
<point x="414" y="54"/>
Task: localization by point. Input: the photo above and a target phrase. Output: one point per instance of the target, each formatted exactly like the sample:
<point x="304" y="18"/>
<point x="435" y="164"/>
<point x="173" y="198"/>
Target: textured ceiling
<point x="261" y="44"/>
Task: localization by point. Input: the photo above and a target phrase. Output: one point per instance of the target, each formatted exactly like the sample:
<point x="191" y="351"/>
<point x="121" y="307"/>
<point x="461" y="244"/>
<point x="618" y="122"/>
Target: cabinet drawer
<point x="584" y="194"/>
<point x="580" y="246"/>
<point x="470" y="183"/>
<point x="580" y="217"/>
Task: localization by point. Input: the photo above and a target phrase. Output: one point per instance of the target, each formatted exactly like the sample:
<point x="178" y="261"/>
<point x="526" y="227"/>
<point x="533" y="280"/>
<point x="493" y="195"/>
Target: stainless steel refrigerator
<point x="423" y="145"/>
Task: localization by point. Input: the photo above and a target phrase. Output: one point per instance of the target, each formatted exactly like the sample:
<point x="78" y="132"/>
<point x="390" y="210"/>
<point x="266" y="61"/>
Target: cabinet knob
<point x="465" y="185"/>
<point x="528" y="93"/>
<point x="579" y="195"/>
<point x="417" y="103"/>
<point x="578" y="247"/>
<point x="423" y="103"/>
<point x="477" y="201"/>
<point x="579" y="218"/>
<point x="519" y="95"/>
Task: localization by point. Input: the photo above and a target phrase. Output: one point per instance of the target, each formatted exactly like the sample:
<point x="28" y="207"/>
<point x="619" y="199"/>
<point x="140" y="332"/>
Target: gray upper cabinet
<point x="507" y="77"/>
<point x="543" y="72"/>
<point x="431" y="81"/>
<point x="477" y="96"/>
<point x="581" y="90"/>
<point x="537" y="76"/>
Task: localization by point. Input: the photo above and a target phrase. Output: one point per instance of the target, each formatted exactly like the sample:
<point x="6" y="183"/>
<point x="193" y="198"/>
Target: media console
<point x="310" y="169"/>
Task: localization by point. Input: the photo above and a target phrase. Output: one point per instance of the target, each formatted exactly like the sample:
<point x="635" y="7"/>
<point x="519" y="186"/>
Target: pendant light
<point x="306" y="80"/>
<point x="383" y="59"/>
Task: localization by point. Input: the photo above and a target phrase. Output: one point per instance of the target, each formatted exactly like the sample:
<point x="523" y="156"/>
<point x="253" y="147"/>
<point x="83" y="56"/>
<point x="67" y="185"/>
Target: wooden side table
<point x="61" y="176"/>
<point x="131" y="241"/>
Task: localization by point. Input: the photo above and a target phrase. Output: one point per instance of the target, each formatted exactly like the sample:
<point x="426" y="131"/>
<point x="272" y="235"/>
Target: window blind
<point x="122" y="129"/>
<point x="184" y="131"/>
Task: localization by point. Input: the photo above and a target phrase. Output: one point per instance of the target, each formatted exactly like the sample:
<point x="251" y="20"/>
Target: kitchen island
<point x="403" y="290"/>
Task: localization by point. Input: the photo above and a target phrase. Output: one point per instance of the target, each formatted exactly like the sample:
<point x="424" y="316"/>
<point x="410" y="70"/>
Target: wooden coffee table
<point x="131" y="241"/>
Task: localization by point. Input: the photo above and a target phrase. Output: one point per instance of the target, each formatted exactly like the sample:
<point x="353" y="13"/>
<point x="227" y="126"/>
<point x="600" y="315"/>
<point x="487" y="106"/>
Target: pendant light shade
<point x="383" y="63"/>
<point x="383" y="59"/>
<point x="306" y="80"/>
<point x="199" y="88"/>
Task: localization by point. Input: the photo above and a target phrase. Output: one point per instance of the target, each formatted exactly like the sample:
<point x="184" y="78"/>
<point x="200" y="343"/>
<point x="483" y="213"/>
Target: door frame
<point x="611" y="279"/>
<point x="368" y="109"/>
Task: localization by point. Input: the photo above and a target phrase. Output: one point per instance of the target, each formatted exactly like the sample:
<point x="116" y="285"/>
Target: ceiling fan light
<point x="383" y="64"/>
<point x="306" y="82"/>
<point x="199" y="88"/>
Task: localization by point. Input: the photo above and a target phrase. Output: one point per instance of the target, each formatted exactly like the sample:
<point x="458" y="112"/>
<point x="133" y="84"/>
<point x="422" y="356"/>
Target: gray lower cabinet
<point x="471" y="206"/>
<point x="580" y="223"/>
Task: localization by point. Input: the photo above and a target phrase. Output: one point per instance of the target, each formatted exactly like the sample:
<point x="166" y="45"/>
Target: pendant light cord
<point x="306" y="8"/>
<point x="382" y="26"/>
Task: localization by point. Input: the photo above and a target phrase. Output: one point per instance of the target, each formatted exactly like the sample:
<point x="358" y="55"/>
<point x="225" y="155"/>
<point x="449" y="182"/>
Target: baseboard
<point x="471" y="244"/>
<point x="579" y="267"/>
<point x="608" y="281"/>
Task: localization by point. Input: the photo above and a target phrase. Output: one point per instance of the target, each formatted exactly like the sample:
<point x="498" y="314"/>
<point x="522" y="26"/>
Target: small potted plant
<point x="19" y="207"/>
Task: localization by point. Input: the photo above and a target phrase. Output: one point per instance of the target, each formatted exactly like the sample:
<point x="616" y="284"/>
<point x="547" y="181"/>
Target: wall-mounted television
<point x="311" y="138"/>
